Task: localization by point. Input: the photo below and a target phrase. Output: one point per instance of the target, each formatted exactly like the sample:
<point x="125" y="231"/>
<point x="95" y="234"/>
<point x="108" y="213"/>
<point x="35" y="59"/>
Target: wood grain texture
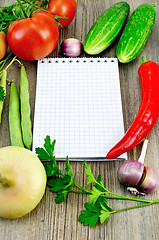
<point x="59" y="222"/>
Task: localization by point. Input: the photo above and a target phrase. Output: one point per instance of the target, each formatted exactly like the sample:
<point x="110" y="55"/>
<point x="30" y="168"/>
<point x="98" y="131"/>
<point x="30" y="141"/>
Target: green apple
<point x="22" y="181"/>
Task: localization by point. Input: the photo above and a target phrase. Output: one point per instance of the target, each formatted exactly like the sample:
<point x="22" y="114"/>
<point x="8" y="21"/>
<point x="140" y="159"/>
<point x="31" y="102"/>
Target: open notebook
<point x="78" y="103"/>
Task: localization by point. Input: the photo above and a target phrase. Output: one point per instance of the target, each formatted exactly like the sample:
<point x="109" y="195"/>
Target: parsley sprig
<point x="97" y="209"/>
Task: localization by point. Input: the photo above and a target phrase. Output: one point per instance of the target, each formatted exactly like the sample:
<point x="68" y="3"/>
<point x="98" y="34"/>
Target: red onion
<point x="133" y="173"/>
<point x="71" y="47"/>
<point x="130" y="173"/>
<point x="150" y="181"/>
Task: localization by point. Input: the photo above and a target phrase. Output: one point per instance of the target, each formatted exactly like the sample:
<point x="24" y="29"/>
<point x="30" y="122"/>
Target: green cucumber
<point x="136" y="33"/>
<point x="106" y="28"/>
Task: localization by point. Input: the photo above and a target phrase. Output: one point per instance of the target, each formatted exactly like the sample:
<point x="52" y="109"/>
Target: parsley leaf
<point x="61" y="195"/>
<point x="46" y="153"/>
<point x="91" y="215"/>
<point x="99" y="184"/>
<point x="2" y="93"/>
<point x="104" y="214"/>
<point x="95" y="193"/>
<point x="49" y="147"/>
<point x="100" y="211"/>
<point x="52" y="169"/>
<point x="102" y="201"/>
<point x="88" y="172"/>
<point x="9" y="14"/>
<point x="58" y="183"/>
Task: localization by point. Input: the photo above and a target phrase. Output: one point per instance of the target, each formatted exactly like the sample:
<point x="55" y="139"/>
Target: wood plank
<point x="50" y="221"/>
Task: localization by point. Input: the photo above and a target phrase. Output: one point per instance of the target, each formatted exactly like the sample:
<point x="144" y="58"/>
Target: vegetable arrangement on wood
<point x="97" y="209"/>
<point x="32" y="29"/>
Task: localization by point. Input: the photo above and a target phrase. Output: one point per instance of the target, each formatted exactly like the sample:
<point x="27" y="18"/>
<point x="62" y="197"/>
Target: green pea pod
<point x="105" y="30"/>
<point x="26" y="124"/>
<point x="3" y="84"/>
<point x="14" y="118"/>
<point x="136" y="33"/>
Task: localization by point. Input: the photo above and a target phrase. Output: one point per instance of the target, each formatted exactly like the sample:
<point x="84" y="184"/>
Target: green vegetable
<point x="14" y="118"/>
<point x="26" y="125"/>
<point x="136" y="33"/>
<point x="97" y="209"/>
<point x="10" y="13"/>
<point x="106" y="28"/>
<point x="2" y="91"/>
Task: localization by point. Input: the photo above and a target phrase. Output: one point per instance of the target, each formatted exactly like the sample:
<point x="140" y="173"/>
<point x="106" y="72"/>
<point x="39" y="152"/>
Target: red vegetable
<point x="148" y="112"/>
<point x="33" y="38"/>
<point x="63" y="8"/>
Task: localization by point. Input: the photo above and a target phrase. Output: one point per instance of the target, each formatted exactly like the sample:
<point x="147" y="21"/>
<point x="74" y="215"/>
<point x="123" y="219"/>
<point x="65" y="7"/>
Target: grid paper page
<point x="78" y="103"/>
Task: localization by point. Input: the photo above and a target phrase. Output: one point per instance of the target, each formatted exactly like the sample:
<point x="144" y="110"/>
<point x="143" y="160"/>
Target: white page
<point x="78" y="103"/>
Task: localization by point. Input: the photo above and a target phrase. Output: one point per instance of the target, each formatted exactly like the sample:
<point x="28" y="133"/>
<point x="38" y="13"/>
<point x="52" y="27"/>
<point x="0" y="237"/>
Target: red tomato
<point x="33" y="38"/>
<point x="63" y="8"/>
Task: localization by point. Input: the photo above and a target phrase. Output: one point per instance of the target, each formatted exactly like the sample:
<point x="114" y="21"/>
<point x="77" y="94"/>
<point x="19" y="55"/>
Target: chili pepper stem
<point x="154" y="5"/>
<point x="144" y="59"/>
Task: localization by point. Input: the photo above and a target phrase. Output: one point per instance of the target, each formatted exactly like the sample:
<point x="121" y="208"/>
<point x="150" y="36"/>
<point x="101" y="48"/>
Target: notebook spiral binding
<point x="78" y="60"/>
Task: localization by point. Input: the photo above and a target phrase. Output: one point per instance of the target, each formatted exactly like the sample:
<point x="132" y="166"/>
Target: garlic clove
<point x="149" y="181"/>
<point x="130" y="173"/>
<point x="71" y="47"/>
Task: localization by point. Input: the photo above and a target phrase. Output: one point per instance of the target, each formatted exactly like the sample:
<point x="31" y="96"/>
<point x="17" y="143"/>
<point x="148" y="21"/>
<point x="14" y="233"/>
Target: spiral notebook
<point x="78" y="103"/>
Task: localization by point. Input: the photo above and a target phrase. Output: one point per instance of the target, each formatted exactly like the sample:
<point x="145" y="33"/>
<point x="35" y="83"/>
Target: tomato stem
<point x="22" y="8"/>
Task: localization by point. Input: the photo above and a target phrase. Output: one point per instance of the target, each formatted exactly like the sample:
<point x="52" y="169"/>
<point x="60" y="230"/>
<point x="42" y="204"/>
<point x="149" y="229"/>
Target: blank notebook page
<point x="78" y="103"/>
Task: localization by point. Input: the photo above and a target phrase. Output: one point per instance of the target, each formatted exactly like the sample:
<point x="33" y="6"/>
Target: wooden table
<point x="50" y="221"/>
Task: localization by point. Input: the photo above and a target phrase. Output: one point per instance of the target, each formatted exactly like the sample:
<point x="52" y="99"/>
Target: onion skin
<point x="130" y="173"/>
<point x="71" y="47"/>
<point x="134" y="174"/>
<point x="150" y="181"/>
<point x="3" y="44"/>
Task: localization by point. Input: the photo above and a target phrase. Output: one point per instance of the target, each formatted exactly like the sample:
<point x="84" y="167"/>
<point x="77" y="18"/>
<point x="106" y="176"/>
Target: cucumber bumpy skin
<point x="136" y="33"/>
<point x="106" y="28"/>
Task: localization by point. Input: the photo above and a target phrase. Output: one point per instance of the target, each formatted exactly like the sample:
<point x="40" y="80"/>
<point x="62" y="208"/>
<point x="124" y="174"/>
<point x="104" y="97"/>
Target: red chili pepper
<point x="148" y="112"/>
